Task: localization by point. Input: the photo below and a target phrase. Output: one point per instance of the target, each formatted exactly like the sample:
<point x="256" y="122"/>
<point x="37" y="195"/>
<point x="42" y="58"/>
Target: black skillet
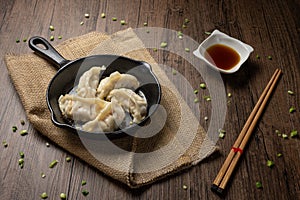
<point x="69" y="72"/>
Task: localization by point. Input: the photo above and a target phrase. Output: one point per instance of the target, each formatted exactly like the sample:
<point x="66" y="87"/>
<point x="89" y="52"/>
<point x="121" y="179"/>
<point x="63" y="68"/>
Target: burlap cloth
<point x="177" y="146"/>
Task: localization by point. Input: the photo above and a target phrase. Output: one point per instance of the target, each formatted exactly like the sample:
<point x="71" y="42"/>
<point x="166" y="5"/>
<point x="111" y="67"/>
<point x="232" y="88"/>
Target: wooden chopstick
<point x="235" y="153"/>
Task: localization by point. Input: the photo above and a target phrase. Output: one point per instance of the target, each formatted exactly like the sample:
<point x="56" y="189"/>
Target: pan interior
<point x="68" y="76"/>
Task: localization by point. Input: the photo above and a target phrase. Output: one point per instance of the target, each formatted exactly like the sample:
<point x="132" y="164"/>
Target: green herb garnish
<point x="196" y="91"/>
<point x="51" y="38"/>
<point x="202" y="85"/>
<point x="294" y="133"/>
<point x="221" y="135"/>
<point x="44" y="195"/>
<point x="5" y="144"/>
<point x="53" y="163"/>
<point x="51" y="28"/>
<point x="145" y="24"/>
<point x="86" y="15"/>
<point x="163" y="44"/>
<point x="83" y="182"/>
<point x="102" y="15"/>
<point x="207" y="32"/>
<point x="269" y="57"/>
<point x="23" y="132"/>
<point x="187" y="49"/>
<point x="292" y="109"/>
<point x="290" y="92"/>
<point x="114" y="19"/>
<point x="63" y="196"/>
<point x="68" y="159"/>
<point x="85" y="192"/>
<point x="279" y="155"/>
<point x="270" y="163"/>
<point x="258" y="185"/>
<point x="184" y="187"/>
<point x="14" y="128"/>
<point x="22" y="155"/>
<point x="284" y="136"/>
<point x="122" y="22"/>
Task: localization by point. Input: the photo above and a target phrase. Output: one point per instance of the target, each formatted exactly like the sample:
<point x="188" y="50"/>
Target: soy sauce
<point x="224" y="57"/>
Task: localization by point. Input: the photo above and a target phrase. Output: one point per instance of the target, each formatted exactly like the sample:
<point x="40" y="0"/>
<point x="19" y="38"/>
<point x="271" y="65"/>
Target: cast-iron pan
<point x="69" y="72"/>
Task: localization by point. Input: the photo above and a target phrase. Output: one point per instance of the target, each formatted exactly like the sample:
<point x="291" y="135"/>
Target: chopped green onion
<point x="63" y="196"/>
<point x="270" y="163"/>
<point x="122" y="22"/>
<point x="202" y="85"/>
<point x="22" y="155"/>
<point x="187" y="49"/>
<point x="278" y="132"/>
<point x="51" y="28"/>
<point x="269" y="57"/>
<point x="196" y="91"/>
<point x="196" y="100"/>
<point x="207" y="32"/>
<point x="86" y="15"/>
<point x="184" y="26"/>
<point x="145" y="24"/>
<point x="279" y="155"/>
<point x="174" y="72"/>
<point x="85" y="192"/>
<point x="207" y="98"/>
<point x="43" y="175"/>
<point x="68" y="159"/>
<point x="258" y="185"/>
<point x="290" y="92"/>
<point x="258" y="56"/>
<point x="185" y="187"/>
<point x="83" y="182"/>
<point x="53" y="163"/>
<point x="14" y="128"/>
<point x="21" y="161"/>
<point x="221" y="135"/>
<point x="114" y="19"/>
<point x="81" y="23"/>
<point x="186" y="21"/>
<point x="163" y="44"/>
<point x="44" y="195"/>
<point x="22" y="122"/>
<point x="229" y="94"/>
<point x="292" y="109"/>
<point x="155" y="49"/>
<point x="221" y="131"/>
<point x="147" y="31"/>
<point x="284" y="136"/>
<point x="17" y="40"/>
<point x="60" y="37"/>
<point x="102" y="15"/>
<point x="294" y="133"/>
<point x="51" y="38"/>
<point x="23" y="132"/>
<point x="24" y="40"/>
<point x="5" y="144"/>
<point x="180" y="34"/>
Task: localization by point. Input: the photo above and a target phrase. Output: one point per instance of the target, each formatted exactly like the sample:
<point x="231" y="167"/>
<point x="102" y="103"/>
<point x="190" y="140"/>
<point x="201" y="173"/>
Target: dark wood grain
<point x="271" y="27"/>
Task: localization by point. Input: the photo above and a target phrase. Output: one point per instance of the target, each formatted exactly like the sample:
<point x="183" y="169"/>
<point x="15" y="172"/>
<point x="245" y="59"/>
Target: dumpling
<point x="115" y="81"/>
<point x="130" y="102"/>
<point x="79" y="108"/>
<point x="108" y="119"/>
<point x="88" y="82"/>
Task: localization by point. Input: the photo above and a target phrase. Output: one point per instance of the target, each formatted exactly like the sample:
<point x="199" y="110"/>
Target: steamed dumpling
<point x="79" y="108"/>
<point x="115" y="81"/>
<point x="88" y="83"/>
<point x="108" y="119"/>
<point x="130" y="102"/>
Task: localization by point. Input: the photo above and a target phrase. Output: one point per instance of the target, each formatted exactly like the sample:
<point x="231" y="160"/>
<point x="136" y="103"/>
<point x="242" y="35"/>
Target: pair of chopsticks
<point x="236" y="151"/>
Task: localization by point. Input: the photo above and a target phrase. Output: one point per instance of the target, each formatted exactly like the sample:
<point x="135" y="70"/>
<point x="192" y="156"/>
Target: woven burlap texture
<point x="177" y="146"/>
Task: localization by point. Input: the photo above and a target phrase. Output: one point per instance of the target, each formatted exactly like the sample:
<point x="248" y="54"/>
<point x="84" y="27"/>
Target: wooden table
<point x="271" y="27"/>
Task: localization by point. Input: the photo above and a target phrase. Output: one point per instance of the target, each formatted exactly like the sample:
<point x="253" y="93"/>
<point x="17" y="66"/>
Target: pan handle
<point x="48" y="52"/>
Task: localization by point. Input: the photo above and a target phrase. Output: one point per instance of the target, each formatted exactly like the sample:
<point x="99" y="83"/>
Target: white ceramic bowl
<point x="218" y="37"/>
